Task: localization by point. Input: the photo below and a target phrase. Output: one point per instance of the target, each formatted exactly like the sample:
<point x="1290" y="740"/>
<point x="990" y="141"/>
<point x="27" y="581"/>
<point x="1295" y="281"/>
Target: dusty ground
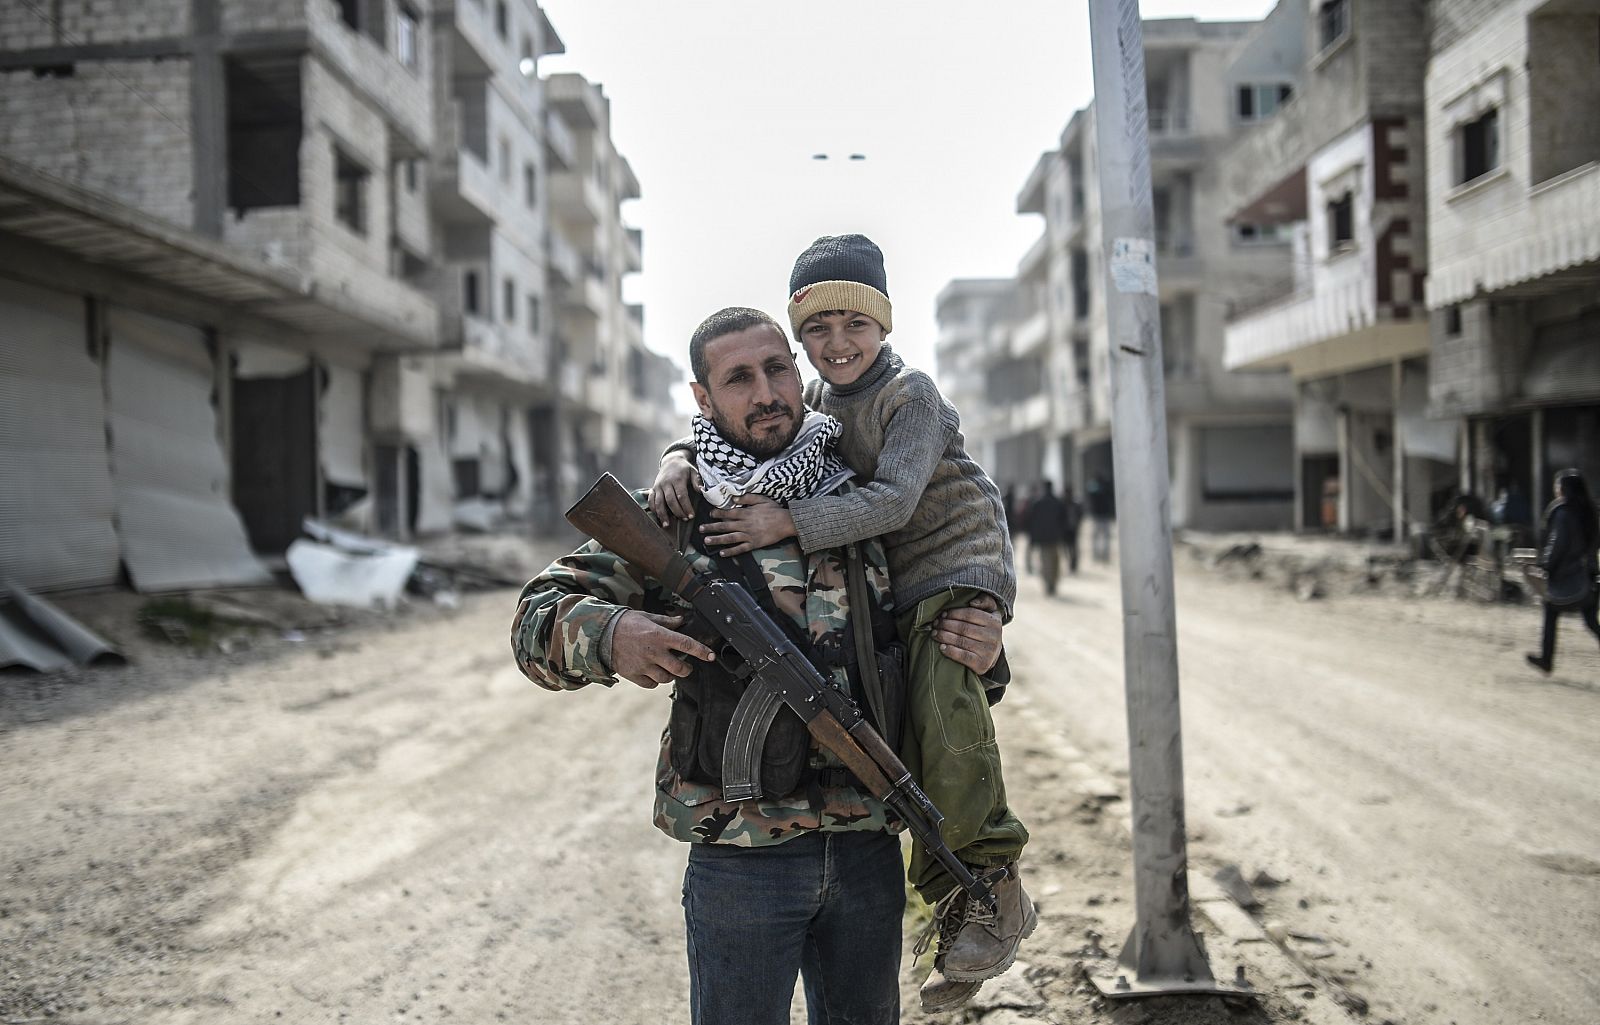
<point x="381" y="821"/>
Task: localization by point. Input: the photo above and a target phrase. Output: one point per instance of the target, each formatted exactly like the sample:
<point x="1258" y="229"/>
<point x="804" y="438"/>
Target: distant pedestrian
<point x="1074" y="523"/>
<point x="1572" y="533"/>
<point x="1098" y="492"/>
<point x="1024" y="504"/>
<point x="1047" y="533"/>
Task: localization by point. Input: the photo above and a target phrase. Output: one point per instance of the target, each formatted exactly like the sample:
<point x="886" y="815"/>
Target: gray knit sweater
<point x="939" y="514"/>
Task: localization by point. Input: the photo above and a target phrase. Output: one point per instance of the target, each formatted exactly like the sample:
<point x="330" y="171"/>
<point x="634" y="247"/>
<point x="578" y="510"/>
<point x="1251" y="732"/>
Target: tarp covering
<point x="341" y="568"/>
<point x="56" y="504"/>
<point x="36" y="634"/>
<point x="178" y="527"/>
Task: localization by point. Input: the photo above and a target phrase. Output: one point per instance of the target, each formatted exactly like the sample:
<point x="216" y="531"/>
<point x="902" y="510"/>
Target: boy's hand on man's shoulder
<point x="676" y="484"/>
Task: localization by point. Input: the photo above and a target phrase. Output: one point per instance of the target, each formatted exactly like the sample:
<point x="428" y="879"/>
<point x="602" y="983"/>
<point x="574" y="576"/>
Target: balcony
<point x="559" y="144"/>
<point x="1030" y="414"/>
<point x="1036" y="261"/>
<point x="565" y="263"/>
<point x="1546" y="230"/>
<point x="576" y="100"/>
<point x="1030" y="335"/>
<point x="632" y="250"/>
<point x="587" y="297"/>
<point x="575" y="197"/>
<point x="1315" y="333"/>
<point x="464" y="191"/>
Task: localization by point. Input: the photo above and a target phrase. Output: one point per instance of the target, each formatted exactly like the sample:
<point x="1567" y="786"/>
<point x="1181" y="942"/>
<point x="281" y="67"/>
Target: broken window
<point x="1341" y="224"/>
<point x="1478" y="147"/>
<point x="264" y="128"/>
<point x="349" y="192"/>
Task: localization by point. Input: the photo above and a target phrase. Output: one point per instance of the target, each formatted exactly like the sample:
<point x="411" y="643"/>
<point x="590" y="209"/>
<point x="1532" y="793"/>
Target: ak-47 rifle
<point x="778" y="675"/>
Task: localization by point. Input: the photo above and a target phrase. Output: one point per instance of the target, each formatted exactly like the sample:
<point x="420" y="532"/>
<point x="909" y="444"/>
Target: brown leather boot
<point x="986" y="943"/>
<point x="941" y="993"/>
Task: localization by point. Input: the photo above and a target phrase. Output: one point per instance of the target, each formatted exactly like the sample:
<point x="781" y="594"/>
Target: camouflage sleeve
<point x="564" y="612"/>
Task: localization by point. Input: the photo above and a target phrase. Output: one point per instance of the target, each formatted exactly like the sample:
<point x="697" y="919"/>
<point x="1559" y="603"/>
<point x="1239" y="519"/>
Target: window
<point x="1341" y="224"/>
<point x="470" y="297"/>
<point x="350" y="193"/>
<point x="505" y="161"/>
<point x="264" y="131"/>
<point x="1257" y="102"/>
<point x="405" y="40"/>
<point x="411" y="175"/>
<point x="508" y="302"/>
<point x="535" y="314"/>
<point x="529" y="64"/>
<point x="350" y="12"/>
<point x="1452" y="321"/>
<point x="502" y="19"/>
<point x="1261" y="234"/>
<point x="530" y="185"/>
<point x="1333" y="22"/>
<point x="1478" y="147"/>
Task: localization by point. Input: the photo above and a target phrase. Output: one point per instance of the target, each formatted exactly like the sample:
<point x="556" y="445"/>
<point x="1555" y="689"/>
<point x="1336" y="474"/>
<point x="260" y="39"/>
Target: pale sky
<point x="719" y="105"/>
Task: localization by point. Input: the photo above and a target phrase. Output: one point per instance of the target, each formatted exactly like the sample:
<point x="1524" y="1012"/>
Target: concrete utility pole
<point x="1162" y="954"/>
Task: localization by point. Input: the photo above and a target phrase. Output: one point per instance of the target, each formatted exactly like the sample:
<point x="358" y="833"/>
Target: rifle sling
<point x="861" y="626"/>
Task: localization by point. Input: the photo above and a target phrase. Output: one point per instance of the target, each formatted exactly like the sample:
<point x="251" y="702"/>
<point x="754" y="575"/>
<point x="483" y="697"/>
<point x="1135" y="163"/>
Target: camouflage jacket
<point x="565" y="612"/>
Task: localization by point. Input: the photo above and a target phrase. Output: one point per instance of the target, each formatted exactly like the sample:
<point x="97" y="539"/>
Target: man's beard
<point x="743" y="435"/>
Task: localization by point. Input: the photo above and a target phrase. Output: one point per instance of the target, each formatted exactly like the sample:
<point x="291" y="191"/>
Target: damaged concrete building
<point x="1040" y="349"/>
<point x="267" y="260"/>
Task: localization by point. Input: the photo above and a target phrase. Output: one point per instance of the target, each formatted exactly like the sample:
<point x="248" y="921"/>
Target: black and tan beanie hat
<point x="839" y="272"/>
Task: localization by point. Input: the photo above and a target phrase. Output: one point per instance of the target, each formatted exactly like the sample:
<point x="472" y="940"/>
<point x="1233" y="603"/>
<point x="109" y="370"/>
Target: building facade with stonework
<point x="1046" y="358"/>
<point x="1339" y="171"/>
<point x="1513" y="156"/>
<point x="236" y="239"/>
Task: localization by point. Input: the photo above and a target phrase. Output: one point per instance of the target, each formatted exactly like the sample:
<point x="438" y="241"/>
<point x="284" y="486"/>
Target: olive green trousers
<point x="950" y="747"/>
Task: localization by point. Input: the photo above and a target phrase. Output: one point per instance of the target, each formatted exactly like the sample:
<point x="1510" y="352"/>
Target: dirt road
<point x="389" y="824"/>
<point x="1430" y="799"/>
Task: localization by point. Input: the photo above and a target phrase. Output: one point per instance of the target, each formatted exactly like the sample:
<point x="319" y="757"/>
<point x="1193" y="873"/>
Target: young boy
<point x="940" y="517"/>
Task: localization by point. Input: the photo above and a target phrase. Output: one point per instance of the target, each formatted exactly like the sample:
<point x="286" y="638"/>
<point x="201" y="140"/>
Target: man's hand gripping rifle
<point x="778" y="673"/>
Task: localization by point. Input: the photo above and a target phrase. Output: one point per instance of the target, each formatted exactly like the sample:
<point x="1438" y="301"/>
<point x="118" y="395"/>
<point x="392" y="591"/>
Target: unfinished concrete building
<point x="1048" y="365"/>
<point x="1338" y="170"/>
<point x="1513" y="147"/>
<point x="205" y="216"/>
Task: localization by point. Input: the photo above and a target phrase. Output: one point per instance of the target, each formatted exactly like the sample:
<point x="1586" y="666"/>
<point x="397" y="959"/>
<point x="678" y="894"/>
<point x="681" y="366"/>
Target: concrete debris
<point x="1234" y="812"/>
<point x="1309" y="589"/>
<point x="1010" y="990"/>
<point x="1266" y="879"/>
<point x="1233" y="884"/>
<point x="38" y="635"/>
<point x="1007" y="1016"/>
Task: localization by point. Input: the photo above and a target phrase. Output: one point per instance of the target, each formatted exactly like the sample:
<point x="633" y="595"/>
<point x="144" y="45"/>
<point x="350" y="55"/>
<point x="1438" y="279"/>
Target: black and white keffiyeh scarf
<point x="807" y="467"/>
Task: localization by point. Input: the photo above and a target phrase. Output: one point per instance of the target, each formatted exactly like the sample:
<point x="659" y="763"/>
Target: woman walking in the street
<point x="1572" y="533"/>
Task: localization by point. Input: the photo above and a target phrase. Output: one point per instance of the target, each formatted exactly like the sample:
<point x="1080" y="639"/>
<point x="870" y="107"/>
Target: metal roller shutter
<point x="56" y="504"/>
<point x="178" y="527"/>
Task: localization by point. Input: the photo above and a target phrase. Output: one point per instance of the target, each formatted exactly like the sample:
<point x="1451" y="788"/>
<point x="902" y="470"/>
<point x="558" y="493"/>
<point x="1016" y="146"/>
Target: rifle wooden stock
<point x="611" y="516"/>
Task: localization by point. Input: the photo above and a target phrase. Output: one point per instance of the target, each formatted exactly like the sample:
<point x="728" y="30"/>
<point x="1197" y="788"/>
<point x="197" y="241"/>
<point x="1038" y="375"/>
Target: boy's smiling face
<point x="841" y="344"/>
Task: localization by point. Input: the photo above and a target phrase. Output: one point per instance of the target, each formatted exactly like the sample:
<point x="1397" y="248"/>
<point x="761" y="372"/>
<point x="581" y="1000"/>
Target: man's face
<point x="841" y="344"/>
<point x="752" y="392"/>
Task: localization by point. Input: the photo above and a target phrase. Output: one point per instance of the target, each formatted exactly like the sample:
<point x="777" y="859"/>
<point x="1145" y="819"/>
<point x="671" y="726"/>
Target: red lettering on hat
<point x="800" y="296"/>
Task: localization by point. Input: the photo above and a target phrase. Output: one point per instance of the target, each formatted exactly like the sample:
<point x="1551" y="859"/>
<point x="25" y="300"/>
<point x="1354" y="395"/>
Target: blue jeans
<point x="824" y="906"/>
